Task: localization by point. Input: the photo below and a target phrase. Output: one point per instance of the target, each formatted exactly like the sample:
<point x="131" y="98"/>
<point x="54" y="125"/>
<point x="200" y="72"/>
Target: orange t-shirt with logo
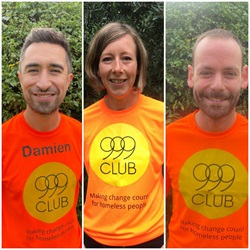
<point x="123" y="159"/>
<point x="208" y="173"/>
<point x="40" y="184"/>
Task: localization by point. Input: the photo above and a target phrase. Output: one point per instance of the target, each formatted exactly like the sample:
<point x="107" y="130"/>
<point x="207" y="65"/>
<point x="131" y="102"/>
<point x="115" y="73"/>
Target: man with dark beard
<point x="41" y="151"/>
<point x="207" y="151"/>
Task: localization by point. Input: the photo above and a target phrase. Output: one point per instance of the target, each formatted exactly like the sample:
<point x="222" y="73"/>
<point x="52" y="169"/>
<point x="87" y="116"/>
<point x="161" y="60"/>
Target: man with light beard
<point x="41" y="152"/>
<point x="207" y="151"/>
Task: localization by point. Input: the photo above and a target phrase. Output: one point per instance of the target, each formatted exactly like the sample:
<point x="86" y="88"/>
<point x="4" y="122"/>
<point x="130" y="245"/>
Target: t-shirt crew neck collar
<point x="212" y="134"/>
<point x="134" y="107"/>
<point x="37" y="132"/>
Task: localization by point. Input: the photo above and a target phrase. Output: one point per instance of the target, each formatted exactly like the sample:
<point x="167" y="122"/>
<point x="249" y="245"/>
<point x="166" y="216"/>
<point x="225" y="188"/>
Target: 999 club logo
<point x="213" y="182"/>
<point x="117" y="153"/>
<point x="49" y="191"/>
<point x="118" y="146"/>
<point x="214" y="176"/>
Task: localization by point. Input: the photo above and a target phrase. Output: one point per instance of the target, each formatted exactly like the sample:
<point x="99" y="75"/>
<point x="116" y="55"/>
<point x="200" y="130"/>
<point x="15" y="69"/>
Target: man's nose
<point x="44" y="81"/>
<point x="218" y="82"/>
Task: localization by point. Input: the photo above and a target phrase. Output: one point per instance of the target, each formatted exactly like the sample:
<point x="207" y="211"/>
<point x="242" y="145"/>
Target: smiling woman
<point x="118" y="71"/>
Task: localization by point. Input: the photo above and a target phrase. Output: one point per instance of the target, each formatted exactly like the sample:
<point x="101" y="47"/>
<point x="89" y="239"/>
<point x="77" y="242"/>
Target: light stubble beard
<point x="216" y="111"/>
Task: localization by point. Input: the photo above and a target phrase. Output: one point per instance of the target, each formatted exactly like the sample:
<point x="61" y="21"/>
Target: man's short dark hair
<point x="47" y="35"/>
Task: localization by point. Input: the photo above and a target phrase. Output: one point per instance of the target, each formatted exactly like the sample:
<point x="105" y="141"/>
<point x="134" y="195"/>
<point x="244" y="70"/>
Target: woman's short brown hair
<point x="106" y="35"/>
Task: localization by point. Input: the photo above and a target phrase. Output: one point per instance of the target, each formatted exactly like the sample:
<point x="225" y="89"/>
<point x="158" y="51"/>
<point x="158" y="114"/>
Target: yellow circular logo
<point x="119" y="154"/>
<point x="210" y="182"/>
<point x="49" y="192"/>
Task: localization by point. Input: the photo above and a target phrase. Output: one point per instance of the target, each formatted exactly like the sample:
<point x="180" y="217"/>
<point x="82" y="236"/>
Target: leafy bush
<point x="147" y="19"/>
<point x="184" y="22"/>
<point x="18" y="18"/>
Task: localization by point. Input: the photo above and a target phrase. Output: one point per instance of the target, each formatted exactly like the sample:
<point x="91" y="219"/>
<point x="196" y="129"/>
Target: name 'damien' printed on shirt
<point x="28" y="151"/>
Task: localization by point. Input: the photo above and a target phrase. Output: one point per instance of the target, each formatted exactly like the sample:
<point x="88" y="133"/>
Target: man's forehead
<point x="217" y="46"/>
<point x="44" y="52"/>
<point x="211" y="42"/>
<point x="45" y="46"/>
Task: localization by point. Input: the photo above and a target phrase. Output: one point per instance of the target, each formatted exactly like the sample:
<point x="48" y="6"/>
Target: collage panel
<point x="124" y="124"/>
<point x="42" y="129"/>
<point x="207" y="126"/>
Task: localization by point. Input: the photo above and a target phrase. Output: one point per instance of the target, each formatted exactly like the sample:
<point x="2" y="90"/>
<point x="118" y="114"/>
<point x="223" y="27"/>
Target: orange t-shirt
<point x="123" y="158"/>
<point x="208" y="173"/>
<point x="40" y="184"/>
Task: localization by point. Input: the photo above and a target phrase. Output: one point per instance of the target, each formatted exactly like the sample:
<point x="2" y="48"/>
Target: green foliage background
<point x="18" y="18"/>
<point x="148" y="20"/>
<point x="184" y="22"/>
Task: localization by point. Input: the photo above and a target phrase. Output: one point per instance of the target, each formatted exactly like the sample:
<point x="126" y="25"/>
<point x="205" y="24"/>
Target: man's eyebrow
<point x="56" y="65"/>
<point x="30" y="65"/>
<point x="205" y="67"/>
<point x="232" y="68"/>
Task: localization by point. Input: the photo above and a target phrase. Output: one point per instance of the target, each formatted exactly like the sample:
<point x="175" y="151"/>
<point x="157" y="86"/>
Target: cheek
<point x="26" y="82"/>
<point x="196" y="85"/>
<point x="201" y="83"/>
<point x="101" y="71"/>
<point x="133" y="71"/>
<point x="235" y="88"/>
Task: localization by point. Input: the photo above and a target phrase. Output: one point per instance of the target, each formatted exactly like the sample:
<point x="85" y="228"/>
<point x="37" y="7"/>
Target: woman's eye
<point x="107" y="59"/>
<point x="126" y="58"/>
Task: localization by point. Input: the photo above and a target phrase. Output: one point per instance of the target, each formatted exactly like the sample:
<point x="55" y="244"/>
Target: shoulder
<point x="94" y="107"/>
<point x="71" y="127"/>
<point x="93" y="111"/>
<point x="70" y="121"/>
<point x="242" y="119"/>
<point x="149" y="100"/>
<point x="150" y="110"/>
<point x="11" y="123"/>
<point x="182" y="121"/>
<point x="152" y="105"/>
<point x="180" y="125"/>
<point x="243" y="122"/>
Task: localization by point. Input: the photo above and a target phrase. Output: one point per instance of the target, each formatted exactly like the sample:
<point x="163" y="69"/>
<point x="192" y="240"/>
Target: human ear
<point x="70" y="78"/>
<point x="19" y="74"/>
<point x="190" y="76"/>
<point x="244" y="80"/>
